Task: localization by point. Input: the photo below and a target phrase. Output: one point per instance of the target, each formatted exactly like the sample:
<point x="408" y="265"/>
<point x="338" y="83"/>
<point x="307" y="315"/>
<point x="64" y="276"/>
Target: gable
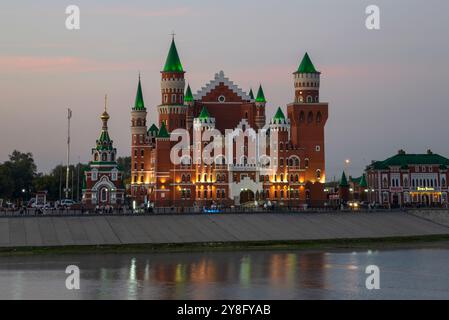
<point x="221" y="86"/>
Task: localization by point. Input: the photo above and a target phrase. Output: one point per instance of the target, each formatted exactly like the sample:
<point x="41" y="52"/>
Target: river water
<point x="421" y="273"/>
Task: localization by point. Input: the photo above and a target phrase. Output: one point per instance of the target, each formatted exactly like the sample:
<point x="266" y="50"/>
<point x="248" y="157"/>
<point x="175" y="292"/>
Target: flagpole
<point x="69" y="115"/>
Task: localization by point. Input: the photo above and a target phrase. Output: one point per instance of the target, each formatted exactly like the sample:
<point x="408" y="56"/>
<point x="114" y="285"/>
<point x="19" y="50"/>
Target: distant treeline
<point x="19" y="179"/>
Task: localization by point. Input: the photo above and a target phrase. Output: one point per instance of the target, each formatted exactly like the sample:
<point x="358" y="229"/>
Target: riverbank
<point x="392" y="243"/>
<point x="207" y="232"/>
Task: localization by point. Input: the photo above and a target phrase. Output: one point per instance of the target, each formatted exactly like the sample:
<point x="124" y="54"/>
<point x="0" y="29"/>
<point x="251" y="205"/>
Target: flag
<point x="69" y="113"/>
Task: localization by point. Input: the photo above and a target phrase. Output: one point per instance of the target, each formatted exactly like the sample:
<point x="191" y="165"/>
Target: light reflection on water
<point x="405" y="274"/>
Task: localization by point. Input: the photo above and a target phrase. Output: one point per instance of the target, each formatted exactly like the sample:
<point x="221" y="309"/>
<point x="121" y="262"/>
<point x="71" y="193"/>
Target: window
<point x="141" y="166"/>
<point x="318" y="174"/>
<point x="96" y="157"/>
<point x="309" y="99"/>
<point x="104" y="157"/>
<point x="317" y="148"/>
<point x="142" y="152"/>
<point x="94" y="176"/>
<point x="306" y="163"/>
<point x="114" y="176"/>
<point x="318" y="117"/>
<point x="173" y="98"/>
<point x="310" y="117"/>
<point x="443" y="183"/>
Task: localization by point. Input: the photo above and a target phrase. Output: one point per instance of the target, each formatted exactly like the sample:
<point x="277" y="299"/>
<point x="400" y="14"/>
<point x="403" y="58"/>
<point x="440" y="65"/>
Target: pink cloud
<point x="57" y="64"/>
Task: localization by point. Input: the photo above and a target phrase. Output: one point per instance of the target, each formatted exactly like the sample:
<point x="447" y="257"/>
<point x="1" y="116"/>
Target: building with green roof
<point x="409" y="180"/>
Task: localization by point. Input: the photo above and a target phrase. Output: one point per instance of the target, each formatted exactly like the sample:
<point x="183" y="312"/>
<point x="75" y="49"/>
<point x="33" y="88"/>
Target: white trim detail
<point x="220" y="77"/>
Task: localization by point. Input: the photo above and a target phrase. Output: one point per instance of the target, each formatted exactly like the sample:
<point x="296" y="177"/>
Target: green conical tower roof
<point x="139" y="104"/>
<point x="204" y="114"/>
<point x="251" y="94"/>
<point x="306" y="65"/>
<point x="153" y="129"/>
<point x="188" y="96"/>
<point x="343" y="181"/>
<point x="163" y="133"/>
<point x="260" y="95"/>
<point x="279" y="115"/>
<point x="173" y="63"/>
<point x="363" y="182"/>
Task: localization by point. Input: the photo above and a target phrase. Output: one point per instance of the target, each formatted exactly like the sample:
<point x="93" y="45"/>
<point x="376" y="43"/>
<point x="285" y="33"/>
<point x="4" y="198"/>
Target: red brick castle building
<point x="287" y="168"/>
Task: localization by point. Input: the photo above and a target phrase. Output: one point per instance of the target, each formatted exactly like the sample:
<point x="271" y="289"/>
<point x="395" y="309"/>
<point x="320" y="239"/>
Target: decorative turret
<point x="307" y="82"/>
<point x="260" y="107"/>
<point x="172" y="110"/>
<point x="204" y="120"/>
<point x="260" y="99"/>
<point x="163" y="133"/>
<point x="188" y="97"/>
<point x="104" y="150"/>
<point x="251" y="94"/>
<point x="343" y="188"/>
<point x="279" y="122"/>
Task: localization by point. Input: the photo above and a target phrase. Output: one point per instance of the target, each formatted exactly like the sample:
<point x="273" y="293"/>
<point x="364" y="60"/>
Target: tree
<point x="17" y="175"/>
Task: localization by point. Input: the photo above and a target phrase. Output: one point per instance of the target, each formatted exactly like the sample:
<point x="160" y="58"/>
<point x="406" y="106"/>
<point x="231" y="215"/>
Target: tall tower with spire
<point x="140" y="150"/>
<point x="172" y="110"/>
<point x="308" y="117"/>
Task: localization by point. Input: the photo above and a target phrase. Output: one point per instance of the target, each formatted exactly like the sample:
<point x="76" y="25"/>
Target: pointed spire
<point x="251" y="94"/>
<point x="163" y="133"/>
<point x="104" y="142"/>
<point x="139" y="104"/>
<point x="173" y="63"/>
<point x="188" y="96"/>
<point x="204" y="114"/>
<point x="260" y="95"/>
<point x="279" y="115"/>
<point x="306" y="65"/>
<point x="343" y="181"/>
<point x="363" y="182"/>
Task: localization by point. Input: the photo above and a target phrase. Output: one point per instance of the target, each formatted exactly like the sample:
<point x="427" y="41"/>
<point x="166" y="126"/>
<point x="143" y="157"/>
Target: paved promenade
<point x="161" y="229"/>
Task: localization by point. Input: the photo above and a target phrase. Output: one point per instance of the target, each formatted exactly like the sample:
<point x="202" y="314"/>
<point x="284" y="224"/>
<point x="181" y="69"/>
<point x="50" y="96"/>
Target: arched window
<point x="188" y="178"/>
<point x="443" y="182"/>
<point x="318" y="174"/>
<point x="96" y="157"/>
<point x="297" y="162"/>
<point x="282" y="177"/>
<point x="104" y="157"/>
<point x="306" y="163"/>
<point x="309" y="99"/>
<point x="310" y="117"/>
<point x="142" y="153"/>
<point x="317" y="99"/>
<point x="296" y="178"/>
<point x="302" y="116"/>
<point x="205" y="177"/>
<point x="173" y="98"/>
<point x="318" y="117"/>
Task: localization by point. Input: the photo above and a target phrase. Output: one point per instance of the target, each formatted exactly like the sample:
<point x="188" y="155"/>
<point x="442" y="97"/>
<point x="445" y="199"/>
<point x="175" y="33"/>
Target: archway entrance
<point x="246" y="196"/>
<point x="426" y="200"/>
<point x="395" y="200"/>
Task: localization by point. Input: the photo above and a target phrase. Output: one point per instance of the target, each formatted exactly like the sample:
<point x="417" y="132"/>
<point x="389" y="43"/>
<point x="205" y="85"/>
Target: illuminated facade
<point x="294" y="143"/>
<point x="102" y="182"/>
<point x="409" y="179"/>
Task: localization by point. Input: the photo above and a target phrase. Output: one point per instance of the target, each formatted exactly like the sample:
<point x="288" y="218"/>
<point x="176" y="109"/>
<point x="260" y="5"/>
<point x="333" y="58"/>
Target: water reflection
<point x="219" y="275"/>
